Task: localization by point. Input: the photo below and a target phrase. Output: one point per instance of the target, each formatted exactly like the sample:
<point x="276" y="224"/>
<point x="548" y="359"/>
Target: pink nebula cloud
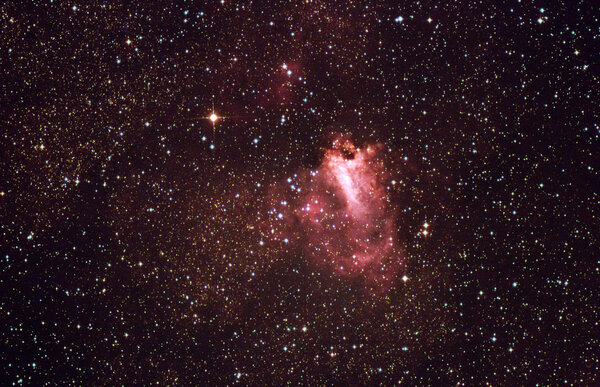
<point x="339" y="214"/>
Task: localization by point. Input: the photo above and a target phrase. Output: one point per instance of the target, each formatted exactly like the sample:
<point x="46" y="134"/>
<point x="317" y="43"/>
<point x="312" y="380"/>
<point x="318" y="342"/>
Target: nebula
<point x="340" y="213"/>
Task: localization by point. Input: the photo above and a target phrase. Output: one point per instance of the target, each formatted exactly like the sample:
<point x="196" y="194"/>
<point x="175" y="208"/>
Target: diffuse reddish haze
<point x="339" y="214"/>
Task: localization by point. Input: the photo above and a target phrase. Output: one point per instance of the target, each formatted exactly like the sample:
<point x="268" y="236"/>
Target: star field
<point x="300" y="192"/>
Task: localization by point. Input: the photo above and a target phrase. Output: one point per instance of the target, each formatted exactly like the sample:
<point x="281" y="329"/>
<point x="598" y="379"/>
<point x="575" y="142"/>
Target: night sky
<point x="300" y="192"/>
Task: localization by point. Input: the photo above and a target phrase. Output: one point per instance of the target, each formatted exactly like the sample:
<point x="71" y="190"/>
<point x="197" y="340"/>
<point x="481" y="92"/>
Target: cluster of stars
<point x="305" y="193"/>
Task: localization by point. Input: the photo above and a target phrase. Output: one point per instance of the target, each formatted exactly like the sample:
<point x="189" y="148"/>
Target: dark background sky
<point x="130" y="226"/>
